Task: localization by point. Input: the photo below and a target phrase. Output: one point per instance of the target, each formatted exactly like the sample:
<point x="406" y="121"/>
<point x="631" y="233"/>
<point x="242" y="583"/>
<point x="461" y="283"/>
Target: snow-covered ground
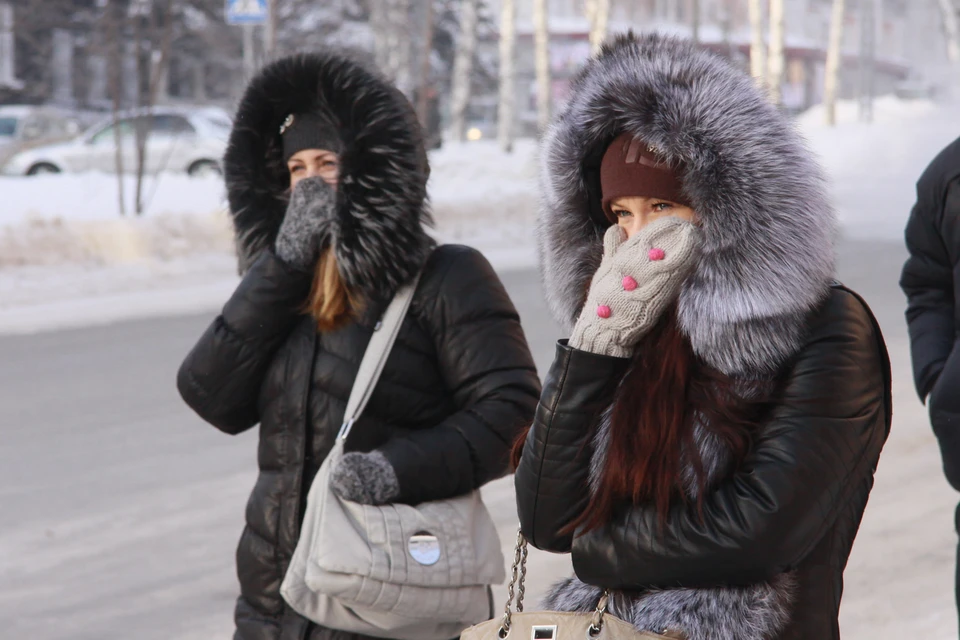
<point x="874" y="167"/>
<point x="68" y="258"/>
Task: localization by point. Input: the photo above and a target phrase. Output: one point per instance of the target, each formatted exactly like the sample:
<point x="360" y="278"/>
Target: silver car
<point x="26" y="126"/>
<point x="181" y="140"/>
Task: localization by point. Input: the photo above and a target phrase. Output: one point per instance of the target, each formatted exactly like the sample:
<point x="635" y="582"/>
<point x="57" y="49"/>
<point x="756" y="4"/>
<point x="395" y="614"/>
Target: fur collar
<point x="379" y="234"/>
<point x="768" y="224"/>
<point x="755" y="612"/>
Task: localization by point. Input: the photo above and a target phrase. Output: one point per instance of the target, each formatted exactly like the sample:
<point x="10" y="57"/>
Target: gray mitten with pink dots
<point x="636" y="281"/>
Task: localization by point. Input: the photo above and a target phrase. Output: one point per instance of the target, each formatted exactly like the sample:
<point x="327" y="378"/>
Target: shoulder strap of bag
<point x="378" y="350"/>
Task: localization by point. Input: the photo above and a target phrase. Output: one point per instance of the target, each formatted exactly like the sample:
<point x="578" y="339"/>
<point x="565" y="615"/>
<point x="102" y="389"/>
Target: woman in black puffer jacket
<point x="321" y="262"/>
<point x="706" y="442"/>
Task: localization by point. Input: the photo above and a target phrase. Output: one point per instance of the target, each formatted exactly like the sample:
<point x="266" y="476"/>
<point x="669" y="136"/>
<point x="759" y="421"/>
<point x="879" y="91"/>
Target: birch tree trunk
<point x="758" y="50"/>
<point x="598" y="14"/>
<point x="832" y="72"/>
<point x="508" y="46"/>
<point x="695" y="20"/>
<point x="390" y="22"/>
<point x="542" y="62"/>
<point x="423" y="99"/>
<point x="463" y="68"/>
<point x="951" y="27"/>
<point x="776" y="64"/>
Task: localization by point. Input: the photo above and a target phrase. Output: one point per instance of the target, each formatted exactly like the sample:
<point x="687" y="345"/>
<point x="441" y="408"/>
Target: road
<point x="120" y="509"/>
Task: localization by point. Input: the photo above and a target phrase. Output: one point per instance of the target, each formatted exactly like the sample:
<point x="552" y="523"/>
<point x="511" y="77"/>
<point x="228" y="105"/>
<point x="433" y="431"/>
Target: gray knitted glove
<point x="367" y="478"/>
<point x="637" y="280"/>
<point x="306" y="224"/>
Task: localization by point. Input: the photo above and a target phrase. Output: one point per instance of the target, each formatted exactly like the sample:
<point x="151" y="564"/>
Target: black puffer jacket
<point x="931" y="280"/>
<point x="458" y="386"/>
<point x="766" y="560"/>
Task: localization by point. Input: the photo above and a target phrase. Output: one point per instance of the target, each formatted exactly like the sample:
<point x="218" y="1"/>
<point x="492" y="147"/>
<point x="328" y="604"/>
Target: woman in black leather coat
<point x="706" y="441"/>
<point x="326" y="175"/>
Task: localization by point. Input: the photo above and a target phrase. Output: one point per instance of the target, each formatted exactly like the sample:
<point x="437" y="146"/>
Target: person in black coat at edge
<point x="706" y="441"/>
<point x="326" y="176"/>
<point x="931" y="280"/>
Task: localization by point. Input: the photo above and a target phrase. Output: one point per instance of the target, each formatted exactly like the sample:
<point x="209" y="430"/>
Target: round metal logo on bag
<point x="424" y="548"/>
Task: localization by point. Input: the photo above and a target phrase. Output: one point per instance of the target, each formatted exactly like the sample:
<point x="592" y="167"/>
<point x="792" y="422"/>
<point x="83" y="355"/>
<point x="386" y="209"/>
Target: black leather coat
<point x="455" y="392"/>
<point x="795" y="503"/>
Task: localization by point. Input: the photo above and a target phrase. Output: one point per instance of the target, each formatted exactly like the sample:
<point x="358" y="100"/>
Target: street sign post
<point x="247" y="11"/>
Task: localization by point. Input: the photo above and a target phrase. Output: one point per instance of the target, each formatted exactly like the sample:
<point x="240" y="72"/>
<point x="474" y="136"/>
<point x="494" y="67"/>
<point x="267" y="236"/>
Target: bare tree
<point x="463" y="68"/>
<point x="776" y="63"/>
<point x="270" y="30"/>
<point x="113" y="28"/>
<point x="758" y="49"/>
<point x="695" y="20"/>
<point x="832" y="73"/>
<point x="158" y="38"/>
<point x="598" y="13"/>
<point x="423" y="98"/>
<point x="542" y="62"/>
<point x="508" y="47"/>
<point x="390" y="22"/>
<point x="951" y="27"/>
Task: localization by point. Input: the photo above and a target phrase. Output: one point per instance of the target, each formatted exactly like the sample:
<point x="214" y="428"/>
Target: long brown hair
<point x="665" y="391"/>
<point x="330" y="302"/>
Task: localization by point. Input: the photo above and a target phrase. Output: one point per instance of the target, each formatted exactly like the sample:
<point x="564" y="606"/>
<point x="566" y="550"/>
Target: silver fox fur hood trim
<point x="768" y="225"/>
<point x="379" y="231"/>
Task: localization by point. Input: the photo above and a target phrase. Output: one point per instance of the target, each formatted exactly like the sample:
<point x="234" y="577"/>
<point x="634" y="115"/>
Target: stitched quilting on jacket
<point x="931" y="280"/>
<point x="766" y="559"/>
<point x="459" y="383"/>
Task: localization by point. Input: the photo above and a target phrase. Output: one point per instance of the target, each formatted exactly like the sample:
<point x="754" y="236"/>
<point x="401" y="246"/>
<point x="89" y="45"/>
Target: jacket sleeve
<point x="927" y="280"/>
<point x="820" y="445"/>
<point x="552" y="479"/>
<point x="486" y="365"/>
<point x="220" y="378"/>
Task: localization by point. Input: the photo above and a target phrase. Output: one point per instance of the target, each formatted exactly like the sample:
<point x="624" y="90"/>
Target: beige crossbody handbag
<point x="551" y="625"/>
<point x="392" y="571"/>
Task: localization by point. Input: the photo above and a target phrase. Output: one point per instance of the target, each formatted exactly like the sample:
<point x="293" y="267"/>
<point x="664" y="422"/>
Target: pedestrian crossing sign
<point x="246" y="11"/>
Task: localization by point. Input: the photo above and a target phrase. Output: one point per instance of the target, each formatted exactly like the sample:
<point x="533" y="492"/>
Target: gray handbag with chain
<point x="553" y="625"/>
<point x="391" y="571"/>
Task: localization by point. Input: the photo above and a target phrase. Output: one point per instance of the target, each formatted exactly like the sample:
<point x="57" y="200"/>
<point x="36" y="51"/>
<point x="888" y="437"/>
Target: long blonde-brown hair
<point x="331" y="303"/>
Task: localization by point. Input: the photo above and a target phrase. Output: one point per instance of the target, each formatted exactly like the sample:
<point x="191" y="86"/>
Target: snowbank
<point x="67" y="258"/>
<point x="873" y="168"/>
<point x="480" y="197"/>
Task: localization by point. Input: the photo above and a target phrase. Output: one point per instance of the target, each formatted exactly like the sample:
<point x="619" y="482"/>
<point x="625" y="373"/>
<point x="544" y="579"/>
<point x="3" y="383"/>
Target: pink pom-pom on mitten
<point x="603" y="311"/>
<point x="657" y="254"/>
<point x="629" y="284"/>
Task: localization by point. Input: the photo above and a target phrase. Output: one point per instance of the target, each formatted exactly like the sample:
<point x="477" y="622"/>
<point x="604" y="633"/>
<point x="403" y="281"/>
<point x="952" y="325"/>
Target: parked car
<point x="26" y="126"/>
<point x="182" y="140"/>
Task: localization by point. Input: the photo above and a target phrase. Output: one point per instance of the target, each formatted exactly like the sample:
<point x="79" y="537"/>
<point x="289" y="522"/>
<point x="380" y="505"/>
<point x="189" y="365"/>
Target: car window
<point x="35" y="127"/>
<point x="171" y="125"/>
<point x="8" y="127"/>
<point x="106" y="134"/>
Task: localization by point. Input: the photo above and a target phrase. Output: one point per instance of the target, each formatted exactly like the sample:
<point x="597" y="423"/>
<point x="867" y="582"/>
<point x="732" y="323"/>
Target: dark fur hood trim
<point x="379" y="233"/>
<point x="761" y="198"/>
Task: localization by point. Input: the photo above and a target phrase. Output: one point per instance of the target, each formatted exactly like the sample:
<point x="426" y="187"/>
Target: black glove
<point x="306" y="225"/>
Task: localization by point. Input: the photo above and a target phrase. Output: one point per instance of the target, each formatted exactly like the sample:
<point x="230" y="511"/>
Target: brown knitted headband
<point x="631" y="168"/>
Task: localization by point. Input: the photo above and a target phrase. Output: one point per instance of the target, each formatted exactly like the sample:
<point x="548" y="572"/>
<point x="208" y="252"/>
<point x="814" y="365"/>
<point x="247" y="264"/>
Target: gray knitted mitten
<point x="367" y="478"/>
<point x="636" y="281"/>
<point x="306" y="223"/>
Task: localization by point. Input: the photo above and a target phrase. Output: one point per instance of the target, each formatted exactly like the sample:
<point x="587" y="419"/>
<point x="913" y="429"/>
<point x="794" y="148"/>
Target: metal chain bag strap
<point x="391" y="571"/>
<point x="551" y="625"/>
